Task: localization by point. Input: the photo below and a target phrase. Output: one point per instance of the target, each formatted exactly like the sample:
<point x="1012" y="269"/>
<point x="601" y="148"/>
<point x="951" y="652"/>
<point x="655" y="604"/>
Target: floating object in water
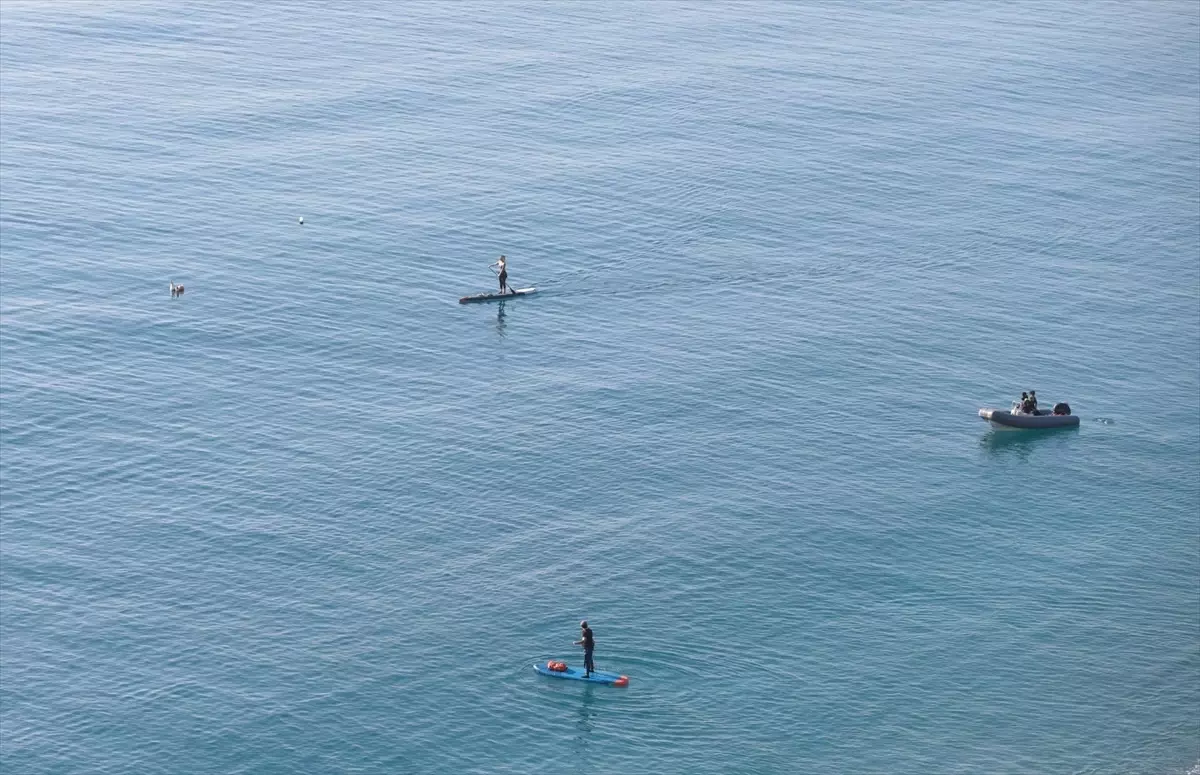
<point x="576" y="674"/>
<point x="1061" y="417"/>
<point x="176" y="290"/>
<point x="301" y="220"/>
<point x="497" y="296"/>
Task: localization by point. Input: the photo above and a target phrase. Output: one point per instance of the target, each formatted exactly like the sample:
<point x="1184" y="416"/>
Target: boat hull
<point x="1007" y="419"/>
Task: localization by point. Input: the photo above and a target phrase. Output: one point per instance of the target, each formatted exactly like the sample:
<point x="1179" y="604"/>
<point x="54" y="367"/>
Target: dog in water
<point x="176" y="290"/>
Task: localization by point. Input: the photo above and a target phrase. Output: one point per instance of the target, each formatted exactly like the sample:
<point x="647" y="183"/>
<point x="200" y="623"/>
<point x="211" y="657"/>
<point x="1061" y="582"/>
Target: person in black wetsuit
<point x="502" y="269"/>
<point x="589" y="644"/>
<point x="1033" y="400"/>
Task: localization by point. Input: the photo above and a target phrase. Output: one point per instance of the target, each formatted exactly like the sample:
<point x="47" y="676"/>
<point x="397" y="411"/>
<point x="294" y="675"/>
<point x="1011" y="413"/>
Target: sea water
<point x="314" y="516"/>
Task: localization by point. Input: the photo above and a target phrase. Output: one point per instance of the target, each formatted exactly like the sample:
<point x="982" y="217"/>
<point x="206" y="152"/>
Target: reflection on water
<point x="500" y="318"/>
<point x="586" y="718"/>
<point x="1023" y="441"/>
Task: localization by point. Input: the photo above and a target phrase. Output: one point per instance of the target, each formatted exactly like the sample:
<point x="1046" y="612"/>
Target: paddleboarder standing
<point x="589" y="644"/>
<point x="501" y="268"/>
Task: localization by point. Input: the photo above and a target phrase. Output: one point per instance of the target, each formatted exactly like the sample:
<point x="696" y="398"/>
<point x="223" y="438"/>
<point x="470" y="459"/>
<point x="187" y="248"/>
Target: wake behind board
<point x="497" y="296"/>
<point x="576" y="674"/>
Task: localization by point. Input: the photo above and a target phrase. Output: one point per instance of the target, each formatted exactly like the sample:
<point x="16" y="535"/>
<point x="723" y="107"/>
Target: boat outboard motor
<point x="1062" y="408"/>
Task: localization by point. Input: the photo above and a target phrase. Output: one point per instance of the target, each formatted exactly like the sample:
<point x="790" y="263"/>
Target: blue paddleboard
<point x="576" y="674"/>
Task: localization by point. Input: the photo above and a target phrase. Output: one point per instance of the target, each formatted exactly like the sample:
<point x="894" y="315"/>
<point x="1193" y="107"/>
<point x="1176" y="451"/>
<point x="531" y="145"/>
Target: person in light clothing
<point x="501" y="268"/>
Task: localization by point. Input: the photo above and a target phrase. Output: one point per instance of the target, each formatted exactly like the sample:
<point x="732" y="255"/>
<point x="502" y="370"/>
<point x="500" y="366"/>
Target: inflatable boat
<point x="1060" y="417"/>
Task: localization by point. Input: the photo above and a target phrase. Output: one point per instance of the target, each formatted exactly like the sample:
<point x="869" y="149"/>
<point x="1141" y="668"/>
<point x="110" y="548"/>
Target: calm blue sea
<point x="314" y="516"/>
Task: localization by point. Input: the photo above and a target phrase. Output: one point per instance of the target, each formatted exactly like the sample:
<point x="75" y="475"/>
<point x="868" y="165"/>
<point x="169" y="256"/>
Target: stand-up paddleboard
<point x="497" y="296"/>
<point x="577" y="673"/>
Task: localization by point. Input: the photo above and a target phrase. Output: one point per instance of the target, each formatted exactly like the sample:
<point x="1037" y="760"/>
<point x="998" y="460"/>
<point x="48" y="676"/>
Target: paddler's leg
<point x="589" y="666"/>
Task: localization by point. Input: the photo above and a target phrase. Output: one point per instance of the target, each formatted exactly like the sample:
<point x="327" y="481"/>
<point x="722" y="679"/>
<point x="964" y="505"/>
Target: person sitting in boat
<point x="1033" y="399"/>
<point x="1027" y="404"/>
<point x="1024" y="402"/>
<point x="501" y="268"/>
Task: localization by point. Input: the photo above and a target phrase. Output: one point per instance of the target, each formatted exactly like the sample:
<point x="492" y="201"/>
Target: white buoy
<point x="301" y="220"/>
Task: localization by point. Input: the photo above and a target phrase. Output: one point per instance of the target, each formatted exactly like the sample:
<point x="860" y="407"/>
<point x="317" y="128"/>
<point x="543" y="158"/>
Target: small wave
<point x="1110" y="421"/>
